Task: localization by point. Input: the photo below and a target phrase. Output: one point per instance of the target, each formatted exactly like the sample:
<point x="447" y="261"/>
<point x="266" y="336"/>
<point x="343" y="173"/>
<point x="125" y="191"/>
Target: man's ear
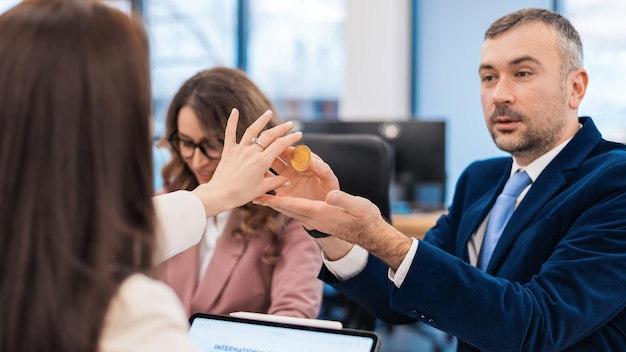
<point x="577" y="83"/>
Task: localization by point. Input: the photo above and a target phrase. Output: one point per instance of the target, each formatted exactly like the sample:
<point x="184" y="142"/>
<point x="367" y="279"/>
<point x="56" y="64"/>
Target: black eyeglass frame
<point x="175" y="141"/>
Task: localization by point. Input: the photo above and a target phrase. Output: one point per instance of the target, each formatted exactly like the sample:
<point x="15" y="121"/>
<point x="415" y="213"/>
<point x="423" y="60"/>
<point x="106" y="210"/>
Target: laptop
<point x="214" y="332"/>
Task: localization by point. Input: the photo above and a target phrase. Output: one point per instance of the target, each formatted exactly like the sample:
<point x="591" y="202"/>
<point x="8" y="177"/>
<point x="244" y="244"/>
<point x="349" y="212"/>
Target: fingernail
<point x="267" y="113"/>
<point x="287" y="184"/>
<point x="233" y="111"/>
<point x="257" y="202"/>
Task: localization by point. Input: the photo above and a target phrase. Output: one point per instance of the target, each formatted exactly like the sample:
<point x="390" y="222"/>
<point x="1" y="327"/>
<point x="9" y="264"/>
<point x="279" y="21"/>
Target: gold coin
<point x="301" y="158"/>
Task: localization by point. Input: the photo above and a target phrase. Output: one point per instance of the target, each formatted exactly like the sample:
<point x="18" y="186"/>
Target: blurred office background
<point x="361" y="60"/>
<point x="355" y="60"/>
<point x="372" y="60"/>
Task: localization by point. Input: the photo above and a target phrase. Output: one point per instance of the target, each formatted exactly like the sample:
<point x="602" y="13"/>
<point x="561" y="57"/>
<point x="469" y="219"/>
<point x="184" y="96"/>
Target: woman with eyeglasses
<point x="250" y="258"/>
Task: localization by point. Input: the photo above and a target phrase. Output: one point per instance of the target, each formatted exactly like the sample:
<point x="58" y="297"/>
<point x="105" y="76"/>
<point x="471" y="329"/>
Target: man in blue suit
<point x="556" y="279"/>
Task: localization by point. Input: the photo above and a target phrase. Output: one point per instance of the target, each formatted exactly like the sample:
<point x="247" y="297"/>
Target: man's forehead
<point x="534" y="40"/>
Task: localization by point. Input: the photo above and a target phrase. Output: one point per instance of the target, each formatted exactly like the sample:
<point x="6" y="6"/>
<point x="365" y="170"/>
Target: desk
<point x="416" y="224"/>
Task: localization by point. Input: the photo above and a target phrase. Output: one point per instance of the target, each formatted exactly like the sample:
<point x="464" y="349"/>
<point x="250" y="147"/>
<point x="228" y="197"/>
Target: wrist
<point x="209" y="194"/>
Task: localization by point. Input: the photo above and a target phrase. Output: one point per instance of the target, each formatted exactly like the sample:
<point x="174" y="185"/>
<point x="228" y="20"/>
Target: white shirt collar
<point x="536" y="167"/>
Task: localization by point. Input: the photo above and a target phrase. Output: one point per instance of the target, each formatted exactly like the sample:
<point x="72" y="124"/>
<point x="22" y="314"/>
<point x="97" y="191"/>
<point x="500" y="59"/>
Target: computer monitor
<point x="419" y="148"/>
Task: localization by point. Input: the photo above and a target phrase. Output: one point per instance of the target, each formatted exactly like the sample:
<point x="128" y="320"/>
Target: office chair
<point x="363" y="165"/>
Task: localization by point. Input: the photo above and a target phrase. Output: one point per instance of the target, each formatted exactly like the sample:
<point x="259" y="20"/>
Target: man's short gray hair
<point x="571" y="45"/>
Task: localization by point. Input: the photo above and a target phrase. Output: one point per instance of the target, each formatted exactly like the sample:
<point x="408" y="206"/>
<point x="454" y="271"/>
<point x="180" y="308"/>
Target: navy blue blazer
<point x="557" y="278"/>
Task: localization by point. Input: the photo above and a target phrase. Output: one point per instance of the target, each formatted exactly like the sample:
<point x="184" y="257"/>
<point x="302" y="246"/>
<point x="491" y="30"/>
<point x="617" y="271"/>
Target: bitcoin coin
<point x="301" y="158"/>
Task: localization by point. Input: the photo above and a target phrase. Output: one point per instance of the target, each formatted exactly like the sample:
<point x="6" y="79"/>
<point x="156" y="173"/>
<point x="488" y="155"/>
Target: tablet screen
<point x="227" y="333"/>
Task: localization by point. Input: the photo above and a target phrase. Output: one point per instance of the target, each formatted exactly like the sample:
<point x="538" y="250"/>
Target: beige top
<point x="145" y="315"/>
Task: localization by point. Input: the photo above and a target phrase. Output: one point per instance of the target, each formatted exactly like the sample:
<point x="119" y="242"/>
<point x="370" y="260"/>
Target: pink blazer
<point x="237" y="279"/>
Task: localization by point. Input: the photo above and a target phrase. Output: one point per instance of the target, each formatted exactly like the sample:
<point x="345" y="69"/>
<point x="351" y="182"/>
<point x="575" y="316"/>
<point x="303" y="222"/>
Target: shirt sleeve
<point x="351" y="264"/>
<point x="181" y="220"/>
<point x="398" y="276"/>
<point x="355" y="261"/>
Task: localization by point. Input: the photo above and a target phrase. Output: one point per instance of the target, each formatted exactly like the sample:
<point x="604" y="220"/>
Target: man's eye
<point x="488" y="78"/>
<point x="523" y="74"/>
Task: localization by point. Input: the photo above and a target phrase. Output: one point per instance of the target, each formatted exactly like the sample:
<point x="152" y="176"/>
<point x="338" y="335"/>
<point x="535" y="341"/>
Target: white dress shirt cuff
<point x="398" y="276"/>
<point x="181" y="220"/>
<point x="350" y="265"/>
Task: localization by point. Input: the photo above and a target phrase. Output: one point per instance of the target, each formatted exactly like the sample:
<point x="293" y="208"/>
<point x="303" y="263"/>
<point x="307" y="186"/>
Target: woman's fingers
<point x="254" y="130"/>
<point x="230" y="135"/>
<point x="247" y="163"/>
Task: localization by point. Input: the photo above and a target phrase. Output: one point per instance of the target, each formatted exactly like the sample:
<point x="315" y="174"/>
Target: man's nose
<point x="503" y="92"/>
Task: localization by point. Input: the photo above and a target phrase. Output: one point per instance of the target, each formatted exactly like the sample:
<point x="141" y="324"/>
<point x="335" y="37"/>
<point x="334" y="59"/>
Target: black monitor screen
<point x="419" y="148"/>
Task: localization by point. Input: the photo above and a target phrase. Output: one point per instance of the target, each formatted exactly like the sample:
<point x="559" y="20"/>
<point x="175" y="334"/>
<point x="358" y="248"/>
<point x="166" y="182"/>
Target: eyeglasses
<point x="187" y="148"/>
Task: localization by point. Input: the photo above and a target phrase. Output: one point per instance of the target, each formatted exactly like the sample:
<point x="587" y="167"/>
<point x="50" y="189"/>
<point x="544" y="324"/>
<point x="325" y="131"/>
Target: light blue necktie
<point x="500" y="214"/>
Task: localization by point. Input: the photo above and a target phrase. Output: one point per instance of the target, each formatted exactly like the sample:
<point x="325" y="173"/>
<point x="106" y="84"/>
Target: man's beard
<point x="533" y="142"/>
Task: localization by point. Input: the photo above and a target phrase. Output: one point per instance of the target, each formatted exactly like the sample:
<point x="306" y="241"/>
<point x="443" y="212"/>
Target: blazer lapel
<point x="546" y="185"/>
<point x="228" y="251"/>
<point x="550" y="181"/>
<point x="471" y="220"/>
<point x="476" y="213"/>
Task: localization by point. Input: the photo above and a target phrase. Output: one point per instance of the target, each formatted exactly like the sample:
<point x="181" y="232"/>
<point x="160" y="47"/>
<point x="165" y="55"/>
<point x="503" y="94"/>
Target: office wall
<point x="378" y="46"/>
<point x="448" y="43"/>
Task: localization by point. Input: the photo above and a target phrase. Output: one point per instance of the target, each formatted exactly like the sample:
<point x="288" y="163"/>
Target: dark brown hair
<point x="571" y="45"/>
<point x="76" y="215"/>
<point x="212" y="94"/>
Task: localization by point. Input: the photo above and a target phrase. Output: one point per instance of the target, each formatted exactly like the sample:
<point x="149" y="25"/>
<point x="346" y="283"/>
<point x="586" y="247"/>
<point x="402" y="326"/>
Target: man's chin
<point x="507" y="142"/>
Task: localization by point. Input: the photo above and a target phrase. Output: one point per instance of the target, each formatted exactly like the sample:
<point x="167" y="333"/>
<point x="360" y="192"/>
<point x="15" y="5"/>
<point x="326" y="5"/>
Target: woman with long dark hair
<point x="77" y="222"/>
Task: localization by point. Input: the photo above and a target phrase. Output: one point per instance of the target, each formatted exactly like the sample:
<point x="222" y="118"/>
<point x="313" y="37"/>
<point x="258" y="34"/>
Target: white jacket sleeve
<point x="181" y="220"/>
